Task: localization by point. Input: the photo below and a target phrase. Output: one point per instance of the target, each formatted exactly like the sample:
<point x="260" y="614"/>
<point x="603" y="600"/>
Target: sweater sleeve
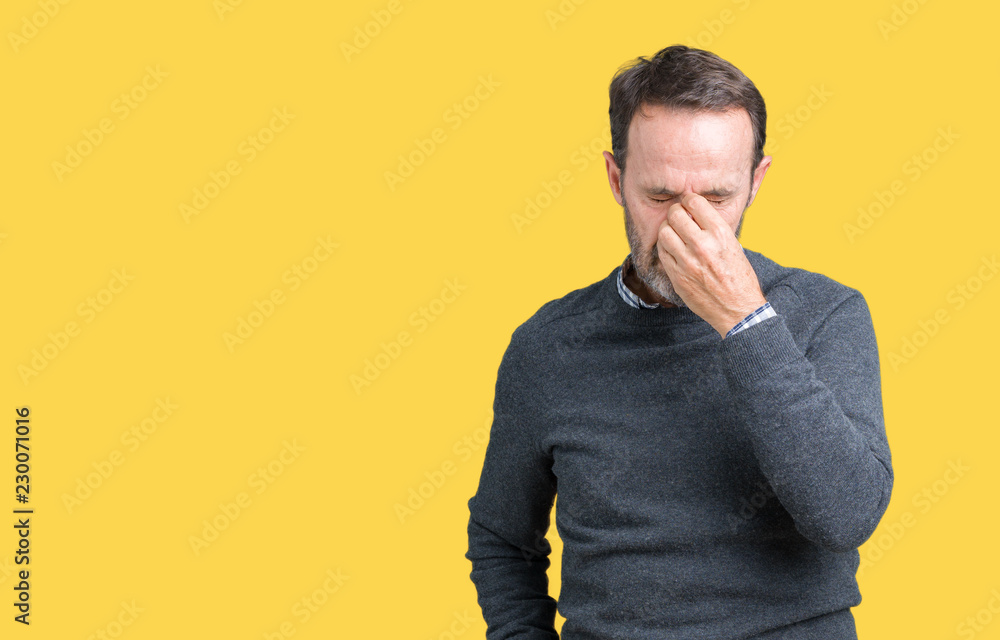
<point x="509" y="514"/>
<point x="815" y="421"/>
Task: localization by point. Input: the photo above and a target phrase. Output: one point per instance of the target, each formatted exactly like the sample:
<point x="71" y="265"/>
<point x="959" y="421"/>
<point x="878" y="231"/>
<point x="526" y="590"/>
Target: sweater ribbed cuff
<point x="758" y="351"/>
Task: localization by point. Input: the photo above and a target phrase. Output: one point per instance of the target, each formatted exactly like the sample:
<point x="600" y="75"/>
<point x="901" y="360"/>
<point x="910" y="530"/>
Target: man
<point x="712" y="420"/>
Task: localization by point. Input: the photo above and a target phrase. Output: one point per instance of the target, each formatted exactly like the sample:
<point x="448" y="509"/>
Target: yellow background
<point x="360" y="452"/>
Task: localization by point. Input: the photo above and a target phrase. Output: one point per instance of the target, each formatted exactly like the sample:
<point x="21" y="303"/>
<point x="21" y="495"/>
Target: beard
<point x="647" y="263"/>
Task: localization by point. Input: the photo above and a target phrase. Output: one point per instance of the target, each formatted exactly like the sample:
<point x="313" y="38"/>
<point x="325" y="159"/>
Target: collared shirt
<point x="759" y="314"/>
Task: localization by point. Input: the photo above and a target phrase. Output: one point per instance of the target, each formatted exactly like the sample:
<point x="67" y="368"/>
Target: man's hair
<point x="682" y="78"/>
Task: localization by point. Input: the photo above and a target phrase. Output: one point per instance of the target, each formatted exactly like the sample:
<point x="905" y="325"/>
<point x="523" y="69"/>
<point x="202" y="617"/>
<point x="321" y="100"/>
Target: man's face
<point x="674" y="151"/>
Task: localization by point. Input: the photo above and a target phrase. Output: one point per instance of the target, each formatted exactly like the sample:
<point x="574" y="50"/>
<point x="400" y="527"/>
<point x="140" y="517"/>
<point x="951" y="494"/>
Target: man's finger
<point x="681" y="221"/>
<point x="669" y="242"/>
<point x="702" y="211"/>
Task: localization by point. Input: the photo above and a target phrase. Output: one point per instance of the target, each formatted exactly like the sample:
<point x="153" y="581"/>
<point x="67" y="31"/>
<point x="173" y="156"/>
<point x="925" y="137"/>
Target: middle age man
<point x="697" y="378"/>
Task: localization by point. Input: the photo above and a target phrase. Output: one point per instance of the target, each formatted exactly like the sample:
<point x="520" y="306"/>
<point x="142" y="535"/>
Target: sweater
<point x="707" y="488"/>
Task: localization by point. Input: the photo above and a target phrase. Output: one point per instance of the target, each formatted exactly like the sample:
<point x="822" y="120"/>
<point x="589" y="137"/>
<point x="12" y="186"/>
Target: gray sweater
<point x="707" y="488"/>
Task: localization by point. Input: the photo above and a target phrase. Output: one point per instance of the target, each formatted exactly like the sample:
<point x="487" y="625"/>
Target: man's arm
<point x="509" y="515"/>
<point x="815" y="421"/>
<point x="814" y="418"/>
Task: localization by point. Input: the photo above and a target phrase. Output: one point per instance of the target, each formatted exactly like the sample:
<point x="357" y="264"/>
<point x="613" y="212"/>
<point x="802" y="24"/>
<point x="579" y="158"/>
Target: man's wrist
<point x="759" y="314"/>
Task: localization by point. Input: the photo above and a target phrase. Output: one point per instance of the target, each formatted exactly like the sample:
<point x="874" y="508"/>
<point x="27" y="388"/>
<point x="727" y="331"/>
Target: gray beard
<point x="647" y="264"/>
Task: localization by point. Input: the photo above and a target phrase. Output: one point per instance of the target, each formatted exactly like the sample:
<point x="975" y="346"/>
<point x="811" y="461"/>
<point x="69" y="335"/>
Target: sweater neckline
<point x="620" y="311"/>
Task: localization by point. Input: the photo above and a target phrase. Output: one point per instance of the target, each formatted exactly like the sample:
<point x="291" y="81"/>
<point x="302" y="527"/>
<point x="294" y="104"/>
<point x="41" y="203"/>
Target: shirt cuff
<point x="757" y="315"/>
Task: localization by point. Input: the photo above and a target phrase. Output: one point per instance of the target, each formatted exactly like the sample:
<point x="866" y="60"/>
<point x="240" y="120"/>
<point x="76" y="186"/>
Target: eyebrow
<point x="718" y="192"/>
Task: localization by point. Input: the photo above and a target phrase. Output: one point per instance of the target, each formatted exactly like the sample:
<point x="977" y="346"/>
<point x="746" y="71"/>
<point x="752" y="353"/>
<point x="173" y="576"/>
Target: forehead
<point x="681" y="147"/>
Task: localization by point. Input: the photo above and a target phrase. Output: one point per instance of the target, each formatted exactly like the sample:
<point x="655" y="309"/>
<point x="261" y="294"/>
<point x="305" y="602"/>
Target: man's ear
<point x="614" y="177"/>
<point x="758" y="177"/>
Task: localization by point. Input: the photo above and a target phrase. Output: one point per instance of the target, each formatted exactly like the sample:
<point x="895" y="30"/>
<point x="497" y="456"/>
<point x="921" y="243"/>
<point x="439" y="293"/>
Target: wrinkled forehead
<point x="709" y="143"/>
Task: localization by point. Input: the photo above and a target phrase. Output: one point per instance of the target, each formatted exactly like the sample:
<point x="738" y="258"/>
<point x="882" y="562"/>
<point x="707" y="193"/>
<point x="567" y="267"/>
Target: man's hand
<point x="706" y="264"/>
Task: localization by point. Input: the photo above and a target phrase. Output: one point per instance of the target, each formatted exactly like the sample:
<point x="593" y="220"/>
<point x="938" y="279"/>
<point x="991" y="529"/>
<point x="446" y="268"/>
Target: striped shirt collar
<point x="627" y="294"/>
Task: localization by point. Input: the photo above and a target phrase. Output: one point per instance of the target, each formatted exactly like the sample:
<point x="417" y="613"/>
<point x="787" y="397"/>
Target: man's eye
<point x="712" y="201"/>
